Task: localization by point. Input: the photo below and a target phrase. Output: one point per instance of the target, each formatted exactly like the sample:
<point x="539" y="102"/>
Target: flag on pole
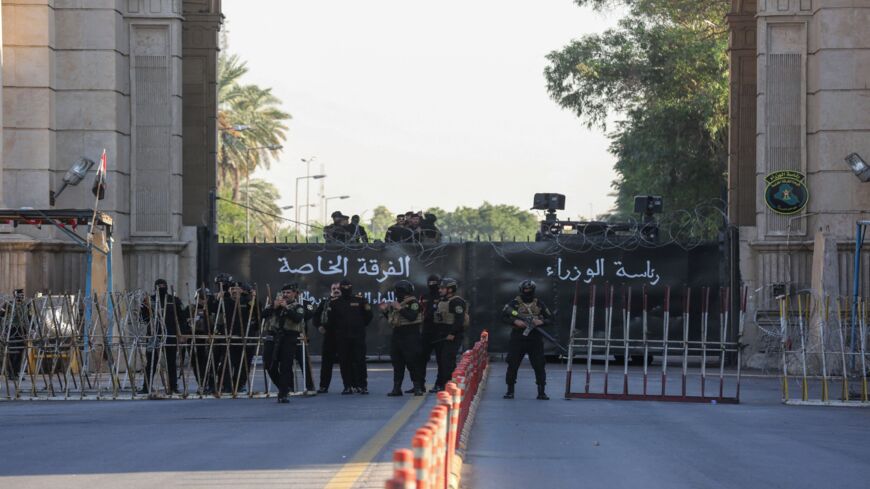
<point x="99" y="187"/>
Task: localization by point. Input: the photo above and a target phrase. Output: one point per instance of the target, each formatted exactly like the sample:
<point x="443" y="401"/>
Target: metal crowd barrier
<point x="823" y="351"/>
<point x="59" y="347"/>
<point x="435" y="460"/>
<point x="638" y="333"/>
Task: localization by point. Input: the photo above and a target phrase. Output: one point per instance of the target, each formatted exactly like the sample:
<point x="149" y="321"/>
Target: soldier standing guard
<point x="349" y="316"/>
<point x="285" y="323"/>
<point x="405" y="318"/>
<point x="451" y="319"/>
<point x="525" y="313"/>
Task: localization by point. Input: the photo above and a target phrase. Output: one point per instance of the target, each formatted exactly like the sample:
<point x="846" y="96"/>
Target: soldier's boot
<point x="397" y="390"/>
<point x="510" y="392"/>
<point x="412" y="390"/>
<point x="542" y="396"/>
<point x="419" y="389"/>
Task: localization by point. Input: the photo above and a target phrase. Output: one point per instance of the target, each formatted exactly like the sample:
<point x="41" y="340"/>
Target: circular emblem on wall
<point x="786" y="192"/>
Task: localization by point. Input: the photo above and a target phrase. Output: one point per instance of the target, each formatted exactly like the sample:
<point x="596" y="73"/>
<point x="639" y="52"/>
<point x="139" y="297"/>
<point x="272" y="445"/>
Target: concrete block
<point x="28" y="108"/>
<point x="28" y="24"/>
<point x="826" y="150"/>
<point x="27" y="66"/>
<point x="93" y="110"/>
<point x="26" y="188"/>
<point x="838" y="110"/>
<point x="88" y="29"/>
<point x="826" y="191"/>
<point x="847" y="69"/>
<point x="92" y="70"/>
<point x="839" y="28"/>
<point x="72" y="145"/>
<point x="27" y="149"/>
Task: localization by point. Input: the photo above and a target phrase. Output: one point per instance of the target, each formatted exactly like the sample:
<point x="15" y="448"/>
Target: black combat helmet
<point x="449" y="284"/>
<point x="527" y="290"/>
<point x="223" y="278"/>
<point x="403" y="288"/>
<point x="290" y="286"/>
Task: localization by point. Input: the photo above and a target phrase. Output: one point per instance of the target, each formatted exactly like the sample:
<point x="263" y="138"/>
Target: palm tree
<point x="249" y="119"/>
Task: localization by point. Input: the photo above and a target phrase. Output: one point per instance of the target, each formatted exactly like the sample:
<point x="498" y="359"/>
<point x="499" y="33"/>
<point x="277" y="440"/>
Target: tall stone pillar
<point x="2" y="202"/>
<point x="28" y="101"/>
<point x="742" y="113"/>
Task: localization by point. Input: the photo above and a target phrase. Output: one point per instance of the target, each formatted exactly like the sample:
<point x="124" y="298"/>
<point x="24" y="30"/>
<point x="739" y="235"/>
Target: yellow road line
<point x="354" y="468"/>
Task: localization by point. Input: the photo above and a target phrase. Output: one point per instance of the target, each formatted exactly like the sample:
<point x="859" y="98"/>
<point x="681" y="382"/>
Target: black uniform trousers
<point x="328" y="358"/>
<point x="447" y="359"/>
<point x="405" y="353"/>
<point x="237" y="364"/>
<point x="429" y="345"/>
<point x="278" y="359"/>
<point x="272" y="361"/>
<point x="170" y="350"/>
<point x="352" y="361"/>
<point x="199" y="363"/>
<point x="520" y="346"/>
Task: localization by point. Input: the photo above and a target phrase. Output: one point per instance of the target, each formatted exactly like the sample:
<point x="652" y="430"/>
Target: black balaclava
<point x="528" y="295"/>
<point x="162" y="288"/>
<point x="346" y="288"/>
<point x="433" y="282"/>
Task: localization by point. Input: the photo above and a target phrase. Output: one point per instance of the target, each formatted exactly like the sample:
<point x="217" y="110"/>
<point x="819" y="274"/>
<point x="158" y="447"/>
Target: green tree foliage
<point x="263" y="217"/>
<point x="256" y="110"/>
<point x="382" y="218"/>
<point x="252" y="130"/>
<point x="663" y="72"/>
<point x="499" y="222"/>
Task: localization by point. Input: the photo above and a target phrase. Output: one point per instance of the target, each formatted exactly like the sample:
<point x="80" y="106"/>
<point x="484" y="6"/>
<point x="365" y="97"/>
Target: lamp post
<point x="327" y="199"/>
<point x="271" y="147"/>
<point x="296" y="202"/>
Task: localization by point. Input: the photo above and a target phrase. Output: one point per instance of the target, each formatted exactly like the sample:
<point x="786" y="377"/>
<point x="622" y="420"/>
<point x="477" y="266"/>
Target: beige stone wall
<point x="83" y="75"/>
<point x="820" y="48"/>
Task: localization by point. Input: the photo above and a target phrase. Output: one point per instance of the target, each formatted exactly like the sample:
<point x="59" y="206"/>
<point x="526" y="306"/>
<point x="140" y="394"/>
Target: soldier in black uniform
<point x="162" y="311"/>
<point x="350" y="314"/>
<point x="357" y="232"/>
<point x="329" y="347"/>
<point x="522" y="313"/>
<point x="337" y="232"/>
<point x="285" y="323"/>
<point x="450" y="322"/>
<point x="405" y="318"/>
<point x="430" y="337"/>
<point x="243" y="317"/>
<point x="202" y="316"/>
<point x="399" y="232"/>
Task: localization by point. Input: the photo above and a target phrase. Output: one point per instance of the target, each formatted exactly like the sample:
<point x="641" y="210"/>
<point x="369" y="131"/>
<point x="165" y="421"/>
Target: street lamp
<point x="327" y="199"/>
<point x="270" y="147"/>
<point x="859" y="167"/>
<point x="307" y="162"/>
<point x="307" y="205"/>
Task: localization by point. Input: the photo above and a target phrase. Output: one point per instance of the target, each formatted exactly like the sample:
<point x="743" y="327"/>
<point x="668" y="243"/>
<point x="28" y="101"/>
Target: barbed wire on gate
<point x="686" y="229"/>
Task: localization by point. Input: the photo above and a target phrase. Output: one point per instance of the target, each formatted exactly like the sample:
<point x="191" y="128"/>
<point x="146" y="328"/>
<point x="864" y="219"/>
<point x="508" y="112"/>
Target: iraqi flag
<point x="99" y="187"/>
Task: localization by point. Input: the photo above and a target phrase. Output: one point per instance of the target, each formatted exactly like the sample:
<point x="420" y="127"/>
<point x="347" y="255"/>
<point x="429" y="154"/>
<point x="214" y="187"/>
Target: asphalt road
<point x="760" y="443"/>
<point x="200" y="443"/>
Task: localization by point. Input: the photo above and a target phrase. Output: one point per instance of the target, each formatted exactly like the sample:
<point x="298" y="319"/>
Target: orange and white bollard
<point x="421" y="446"/>
<point x="402" y="459"/>
<point x="404" y="479"/>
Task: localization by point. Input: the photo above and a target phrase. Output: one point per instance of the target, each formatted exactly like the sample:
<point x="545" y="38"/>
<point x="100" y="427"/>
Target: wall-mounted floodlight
<point x="859" y="167"/>
<point x="73" y="177"/>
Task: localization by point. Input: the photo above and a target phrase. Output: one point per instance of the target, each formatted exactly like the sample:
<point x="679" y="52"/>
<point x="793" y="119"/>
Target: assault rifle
<point x="530" y="326"/>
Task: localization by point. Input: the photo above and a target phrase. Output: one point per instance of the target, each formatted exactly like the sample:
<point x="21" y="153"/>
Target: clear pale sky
<point x="413" y="104"/>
